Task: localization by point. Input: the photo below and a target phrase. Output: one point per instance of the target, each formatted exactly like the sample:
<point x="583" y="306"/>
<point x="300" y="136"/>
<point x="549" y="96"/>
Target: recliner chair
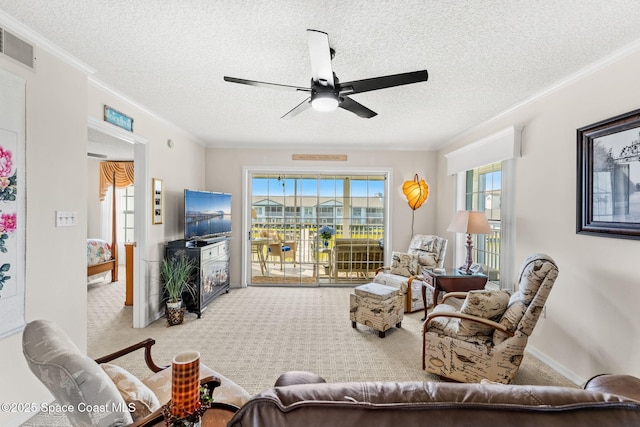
<point x="487" y="336"/>
<point x="425" y="251"/>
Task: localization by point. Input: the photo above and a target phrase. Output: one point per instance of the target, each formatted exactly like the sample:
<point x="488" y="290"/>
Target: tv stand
<point x="201" y="242"/>
<point x="211" y="257"/>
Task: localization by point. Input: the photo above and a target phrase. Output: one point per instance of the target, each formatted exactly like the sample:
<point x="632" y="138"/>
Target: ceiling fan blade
<point x="320" y="54"/>
<point x="356" y="108"/>
<point x="366" y="85"/>
<point x="264" y="84"/>
<point x="304" y="105"/>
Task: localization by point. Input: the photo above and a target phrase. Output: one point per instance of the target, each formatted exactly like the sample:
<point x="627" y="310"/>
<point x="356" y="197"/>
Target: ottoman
<point x="377" y="306"/>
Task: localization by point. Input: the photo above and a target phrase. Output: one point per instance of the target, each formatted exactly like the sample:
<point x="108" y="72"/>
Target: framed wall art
<point x="12" y="205"/>
<point x="157" y="201"/>
<point x="608" y="177"/>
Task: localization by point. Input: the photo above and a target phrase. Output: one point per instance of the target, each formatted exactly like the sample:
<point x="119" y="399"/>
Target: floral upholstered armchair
<point x="486" y="337"/>
<point x="425" y="251"/>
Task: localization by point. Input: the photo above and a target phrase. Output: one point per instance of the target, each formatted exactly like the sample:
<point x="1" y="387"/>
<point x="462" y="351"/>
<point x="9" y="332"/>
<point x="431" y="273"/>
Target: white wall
<point x="56" y="257"/>
<point x="58" y="103"/>
<point x="94" y="212"/>
<point x="224" y="173"/>
<point x="590" y="325"/>
<point x="180" y="167"/>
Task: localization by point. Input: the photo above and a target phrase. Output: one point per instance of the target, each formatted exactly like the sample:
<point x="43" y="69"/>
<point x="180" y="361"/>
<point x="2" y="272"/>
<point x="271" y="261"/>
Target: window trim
<point x="504" y="146"/>
<point x="507" y="223"/>
<point x="248" y="171"/>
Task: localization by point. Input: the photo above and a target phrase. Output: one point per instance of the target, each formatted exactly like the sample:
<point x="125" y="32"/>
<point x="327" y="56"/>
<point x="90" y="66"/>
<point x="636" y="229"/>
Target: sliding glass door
<point x="312" y="229"/>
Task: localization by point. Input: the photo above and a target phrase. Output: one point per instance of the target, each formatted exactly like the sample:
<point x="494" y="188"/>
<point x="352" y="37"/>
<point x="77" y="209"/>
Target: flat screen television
<point x="206" y="214"/>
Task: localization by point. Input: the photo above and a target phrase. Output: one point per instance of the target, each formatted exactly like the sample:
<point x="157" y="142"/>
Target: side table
<point x="449" y="281"/>
<point x="325" y="252"/>
<point x="217" y="416"/>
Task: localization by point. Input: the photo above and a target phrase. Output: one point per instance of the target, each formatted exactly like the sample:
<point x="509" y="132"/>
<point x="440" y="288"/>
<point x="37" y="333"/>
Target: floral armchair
<point x="425" y="251"/>
<point x="486" y="337"/>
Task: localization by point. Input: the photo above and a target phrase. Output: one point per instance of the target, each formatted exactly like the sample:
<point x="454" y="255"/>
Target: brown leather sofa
<point x="304" y="399"/>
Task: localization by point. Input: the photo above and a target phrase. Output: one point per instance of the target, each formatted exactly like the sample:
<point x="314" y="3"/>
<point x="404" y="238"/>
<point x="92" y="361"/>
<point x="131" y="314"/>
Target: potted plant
<point x="325" y="233"/>
<point x="176" y="272"/>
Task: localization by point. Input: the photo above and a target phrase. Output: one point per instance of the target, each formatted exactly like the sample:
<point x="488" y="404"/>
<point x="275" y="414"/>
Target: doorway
<point x="115" y="143"/>
<point x="311" y="228"/>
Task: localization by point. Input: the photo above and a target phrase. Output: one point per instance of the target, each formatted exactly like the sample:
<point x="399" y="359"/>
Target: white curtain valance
<point x="503" y="145"/>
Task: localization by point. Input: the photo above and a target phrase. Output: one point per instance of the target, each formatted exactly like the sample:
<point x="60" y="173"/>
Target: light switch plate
<point x="66" y="218"/>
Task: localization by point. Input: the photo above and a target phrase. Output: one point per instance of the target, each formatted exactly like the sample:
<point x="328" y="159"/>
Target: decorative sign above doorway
<point x="117" y="118"/>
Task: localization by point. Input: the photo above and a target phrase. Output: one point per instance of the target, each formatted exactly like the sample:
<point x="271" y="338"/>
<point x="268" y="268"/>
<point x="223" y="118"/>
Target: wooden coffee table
<point x="217" y="416"/>
<point x="449" y="281"/>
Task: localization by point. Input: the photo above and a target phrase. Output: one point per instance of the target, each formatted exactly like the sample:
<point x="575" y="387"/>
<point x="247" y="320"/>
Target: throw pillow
<point x="422" y="242"/>
<point x="427" y="260"/>
<point x="510" y="319"/>
<point x="485" y="304"/>
<point x="404" y="264"/>
<point x="139" y="398"/>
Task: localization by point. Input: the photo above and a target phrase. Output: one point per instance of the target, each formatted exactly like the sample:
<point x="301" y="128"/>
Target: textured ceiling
<point x="482" y="56"/>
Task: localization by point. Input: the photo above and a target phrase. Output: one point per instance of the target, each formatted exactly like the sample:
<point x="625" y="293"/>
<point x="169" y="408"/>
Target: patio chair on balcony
<point x="278" y="248"/>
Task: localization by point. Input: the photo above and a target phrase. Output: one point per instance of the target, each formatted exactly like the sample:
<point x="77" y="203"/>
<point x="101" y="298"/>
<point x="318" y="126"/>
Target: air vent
<point x="16" y="48"/>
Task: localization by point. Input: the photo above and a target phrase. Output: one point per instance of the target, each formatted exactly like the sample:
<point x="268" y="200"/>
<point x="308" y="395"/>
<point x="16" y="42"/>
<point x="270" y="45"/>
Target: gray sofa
<point x="304" y="399"/>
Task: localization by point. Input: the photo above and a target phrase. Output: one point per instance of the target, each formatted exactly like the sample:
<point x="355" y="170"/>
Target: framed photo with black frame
<point x="158" y="201"/>
<point x="608" y="177"/>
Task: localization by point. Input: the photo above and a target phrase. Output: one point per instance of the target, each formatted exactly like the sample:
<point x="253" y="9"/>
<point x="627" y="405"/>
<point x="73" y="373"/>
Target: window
<point x="483" y="192"/>
<point x="298" y="204"/>
<point x="127" y="199"/>
<point x="478" y="157"/>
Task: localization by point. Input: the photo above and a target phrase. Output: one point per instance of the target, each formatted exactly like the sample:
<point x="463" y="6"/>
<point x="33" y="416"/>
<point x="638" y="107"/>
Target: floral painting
<point x="12" y="204"/>
<point x="8" y="221"/>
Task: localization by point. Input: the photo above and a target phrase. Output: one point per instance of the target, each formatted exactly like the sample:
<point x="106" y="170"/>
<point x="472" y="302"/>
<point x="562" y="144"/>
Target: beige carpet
<point x="252" y="335"/>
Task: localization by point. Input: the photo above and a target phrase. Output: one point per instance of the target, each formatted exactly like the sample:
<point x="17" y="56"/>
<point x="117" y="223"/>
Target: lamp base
<point x="466" y="268"/>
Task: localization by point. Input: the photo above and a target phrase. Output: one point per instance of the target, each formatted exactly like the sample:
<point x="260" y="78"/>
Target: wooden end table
<point x="449" y="281"/>
<point x="217" y="416"/>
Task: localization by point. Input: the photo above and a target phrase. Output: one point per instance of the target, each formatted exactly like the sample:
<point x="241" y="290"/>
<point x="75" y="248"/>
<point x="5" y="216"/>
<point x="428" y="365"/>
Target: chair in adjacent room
<point x="486" y="337"/>
<point x="73" y="378"/>
<point x="425" y="251"/>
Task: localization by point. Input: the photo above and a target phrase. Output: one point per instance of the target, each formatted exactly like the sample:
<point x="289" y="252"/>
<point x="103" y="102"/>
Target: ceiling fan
<point x="326" y="92"/>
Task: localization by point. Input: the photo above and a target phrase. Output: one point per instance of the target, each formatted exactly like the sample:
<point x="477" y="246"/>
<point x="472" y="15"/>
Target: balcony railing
<point x="307" y="235"/>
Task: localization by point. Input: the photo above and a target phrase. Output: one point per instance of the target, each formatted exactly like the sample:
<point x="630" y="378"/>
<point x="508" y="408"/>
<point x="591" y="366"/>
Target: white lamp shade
<point x="470" y="222"/>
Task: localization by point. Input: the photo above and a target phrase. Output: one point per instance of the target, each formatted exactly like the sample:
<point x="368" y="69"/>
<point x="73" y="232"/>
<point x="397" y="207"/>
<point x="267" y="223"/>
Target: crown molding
<point x="40" y="42"/>
<point x="596" y="66"/>
<point x="111" y="91"/>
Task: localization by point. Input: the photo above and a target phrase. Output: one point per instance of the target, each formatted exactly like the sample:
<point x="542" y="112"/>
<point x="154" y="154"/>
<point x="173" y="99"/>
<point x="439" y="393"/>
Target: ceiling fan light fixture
<point x="324" y="101"/>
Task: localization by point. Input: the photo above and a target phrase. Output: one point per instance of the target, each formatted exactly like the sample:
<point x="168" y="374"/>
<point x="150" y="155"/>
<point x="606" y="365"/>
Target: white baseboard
<point x="571" y="376"/>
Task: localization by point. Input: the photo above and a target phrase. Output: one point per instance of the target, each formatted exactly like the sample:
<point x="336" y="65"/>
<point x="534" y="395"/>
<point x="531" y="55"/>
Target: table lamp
<point x="470" y="222"/>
